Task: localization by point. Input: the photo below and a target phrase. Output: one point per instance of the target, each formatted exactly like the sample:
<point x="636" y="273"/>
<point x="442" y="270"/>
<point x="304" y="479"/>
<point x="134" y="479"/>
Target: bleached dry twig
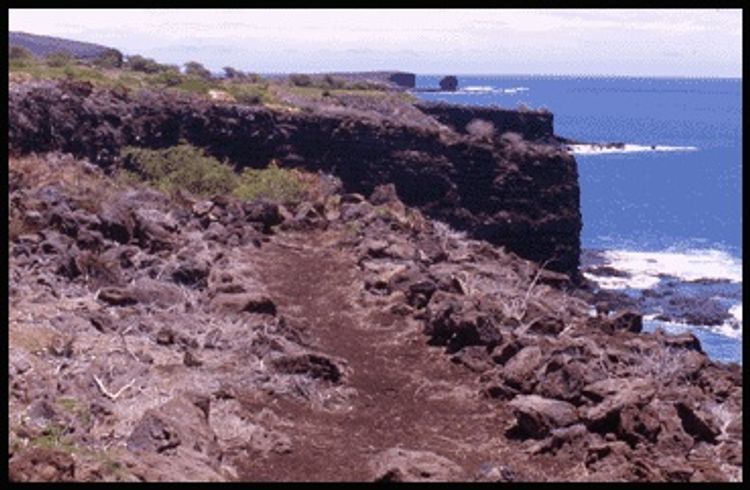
<point x="107" y="393"/>
<point x="536" y="278"/>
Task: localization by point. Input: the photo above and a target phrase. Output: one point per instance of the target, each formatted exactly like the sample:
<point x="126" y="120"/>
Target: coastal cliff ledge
<point x="508" y="186"/>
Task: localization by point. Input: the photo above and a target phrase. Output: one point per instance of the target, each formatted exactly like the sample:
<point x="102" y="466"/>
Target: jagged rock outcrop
<point x="508" y="191"/>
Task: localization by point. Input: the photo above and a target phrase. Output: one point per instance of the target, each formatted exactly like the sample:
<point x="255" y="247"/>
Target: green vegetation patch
<point x="189" y="168"/>
<point x="250" y="93"/>
<point x="274" y="183"/>
<point x="179" y="167"/>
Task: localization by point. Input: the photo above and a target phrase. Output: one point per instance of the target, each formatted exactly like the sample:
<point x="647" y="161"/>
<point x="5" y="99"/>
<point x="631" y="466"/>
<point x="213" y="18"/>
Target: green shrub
<point x="233" y="73"/>
<point x="189" y="168"/>
<point x="195" y="85"/>
<point x="169" y="78"/>
<point x="180" y="167"/>
<point x="73" y="72"/>
<point x="300" y="80"/>
<point x="59" y="59"/>
<point x="247" y="93"/>
<point x="110" y="58"/>
<point x="143" y="64"/>
<point x="195" y="69"/>
<point x="273" y="183"/>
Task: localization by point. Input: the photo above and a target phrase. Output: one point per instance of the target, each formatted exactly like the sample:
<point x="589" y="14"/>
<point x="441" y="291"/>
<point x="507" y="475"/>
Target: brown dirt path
<point x="407" y="393"/>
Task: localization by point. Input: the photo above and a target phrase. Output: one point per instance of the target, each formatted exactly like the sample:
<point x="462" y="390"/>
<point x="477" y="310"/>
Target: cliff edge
<point x="508" y="187"/>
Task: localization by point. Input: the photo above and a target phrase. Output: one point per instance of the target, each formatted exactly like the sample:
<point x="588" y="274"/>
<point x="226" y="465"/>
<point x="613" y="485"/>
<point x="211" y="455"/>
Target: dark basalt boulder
<point x="454" y="321"/>
<point x="537" y="416"/>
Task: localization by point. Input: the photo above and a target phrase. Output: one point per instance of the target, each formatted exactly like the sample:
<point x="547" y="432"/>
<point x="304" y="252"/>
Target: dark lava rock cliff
<point x="156" y="337"/>
<point x="499" y="186"/>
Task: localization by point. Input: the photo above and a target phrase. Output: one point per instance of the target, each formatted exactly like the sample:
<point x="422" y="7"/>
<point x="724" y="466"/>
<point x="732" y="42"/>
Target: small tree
<point x="140" y="63"/>
<point x="193" y="68"/>
<point x="233" y="73"/>
<point x="110" y="58"/>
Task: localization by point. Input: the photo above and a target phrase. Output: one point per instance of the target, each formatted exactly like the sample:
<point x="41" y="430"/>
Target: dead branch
<point x="107" y="393"/>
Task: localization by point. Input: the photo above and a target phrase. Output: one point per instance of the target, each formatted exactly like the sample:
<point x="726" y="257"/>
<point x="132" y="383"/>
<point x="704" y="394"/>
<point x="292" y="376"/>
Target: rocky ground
<point x="346" y="338"/>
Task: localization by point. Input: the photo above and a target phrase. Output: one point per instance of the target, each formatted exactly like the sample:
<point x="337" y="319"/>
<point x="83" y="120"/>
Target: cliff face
<point x="518" y="194"/>
<point x="531" y="125"/>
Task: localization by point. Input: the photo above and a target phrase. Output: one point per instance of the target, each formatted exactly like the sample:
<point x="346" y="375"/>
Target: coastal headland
<point x="303" y="280"/>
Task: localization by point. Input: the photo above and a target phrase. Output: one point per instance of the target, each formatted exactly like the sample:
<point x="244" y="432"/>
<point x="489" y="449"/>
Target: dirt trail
<point x="407" y="393"/>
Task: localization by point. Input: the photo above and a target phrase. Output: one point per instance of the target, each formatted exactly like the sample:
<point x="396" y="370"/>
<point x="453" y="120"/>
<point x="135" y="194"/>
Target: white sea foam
<point x="597" y="149"/>
<point x="478" y="88"/>
<point x="736" y="312"/>
<point x="727" y="329"/>
<point x="515" y="90"/>
<point x="645" y="268"/>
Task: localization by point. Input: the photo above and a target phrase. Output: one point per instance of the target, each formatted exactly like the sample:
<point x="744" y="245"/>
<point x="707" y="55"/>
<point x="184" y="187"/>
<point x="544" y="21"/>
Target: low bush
<point x="249" y="93"/>
<point x="275" y="183"/>
<point x="59" y="59"/>
<point x="179" y="167"/>
<point x="110" y="58"/>
<point x="189" y="168"/>
<point x="195" y="69"/>
<point x="143" y="64"/>
<point x="300" y="80"/>
<point x="169" y="78"/>
<point x="194" y="85"/>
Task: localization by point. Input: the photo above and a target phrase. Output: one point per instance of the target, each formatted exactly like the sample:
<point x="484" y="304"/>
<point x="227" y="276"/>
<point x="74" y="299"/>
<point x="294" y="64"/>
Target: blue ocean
<point x="665" y="209"/>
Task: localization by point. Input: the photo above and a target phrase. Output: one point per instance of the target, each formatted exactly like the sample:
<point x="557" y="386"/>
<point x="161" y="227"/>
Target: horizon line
<point x="510" y="75"/>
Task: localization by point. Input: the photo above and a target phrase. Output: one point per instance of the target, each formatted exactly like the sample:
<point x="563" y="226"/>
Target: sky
<point x="627" y="42"/>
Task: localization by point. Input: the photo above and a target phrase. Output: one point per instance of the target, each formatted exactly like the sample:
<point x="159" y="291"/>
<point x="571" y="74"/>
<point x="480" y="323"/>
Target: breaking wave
<point x="600" y="149"/>
<point x="644" y="270"/>
<point x="722" y="343"/>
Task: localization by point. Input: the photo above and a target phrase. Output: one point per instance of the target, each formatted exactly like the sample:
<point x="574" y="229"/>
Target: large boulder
<point x="537" y="416"/>
<point x="456" y="322"/>
<point x="180" y="425"/>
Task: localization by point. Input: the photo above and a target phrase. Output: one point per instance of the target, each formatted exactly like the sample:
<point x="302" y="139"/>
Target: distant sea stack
<point x="449" y="84"/>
